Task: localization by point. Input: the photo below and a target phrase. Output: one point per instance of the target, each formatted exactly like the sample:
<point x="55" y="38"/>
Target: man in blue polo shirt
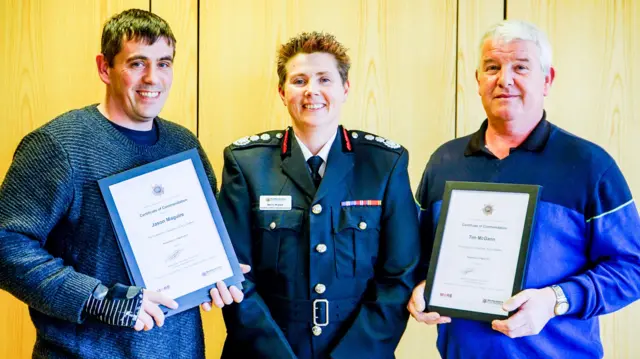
<point x="585" y="252"/>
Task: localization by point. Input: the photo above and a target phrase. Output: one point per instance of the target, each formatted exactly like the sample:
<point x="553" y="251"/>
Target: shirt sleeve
<point x="426" y="223"/>
<point x="612" y="280"/>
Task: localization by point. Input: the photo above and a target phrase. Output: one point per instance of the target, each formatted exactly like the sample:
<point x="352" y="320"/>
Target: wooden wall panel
<point x="402" y="78"/>
<point x="182" y="16"/>
<point x="48" y="63"/>
<point x="596" y="56"/>
<point x="474" y="18"/>
<point x="181" y="107"/>
<point x="420" y="44"/>
<point x="404" y="86"/>
<point x="47" y="67"/>
<point x="399" y="88"/>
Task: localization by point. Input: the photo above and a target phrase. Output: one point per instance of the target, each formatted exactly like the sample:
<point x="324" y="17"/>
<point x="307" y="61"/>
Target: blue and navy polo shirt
<point x="586" y="237"/>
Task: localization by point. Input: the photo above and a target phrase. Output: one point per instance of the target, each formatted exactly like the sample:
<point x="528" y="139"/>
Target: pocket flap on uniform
<point x="270" y="220"/>
<point x="360" y="218"/>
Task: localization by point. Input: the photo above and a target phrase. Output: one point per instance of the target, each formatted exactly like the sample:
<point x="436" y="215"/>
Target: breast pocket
<point x="277" y="238"/>
<point x="356" y="237"/>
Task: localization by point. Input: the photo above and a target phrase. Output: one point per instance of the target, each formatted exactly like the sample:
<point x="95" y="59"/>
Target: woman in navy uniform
<point x="325" y="217"/>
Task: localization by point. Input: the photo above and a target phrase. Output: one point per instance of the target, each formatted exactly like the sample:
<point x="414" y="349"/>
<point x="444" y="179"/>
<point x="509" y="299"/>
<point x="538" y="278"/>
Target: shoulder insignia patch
<point x="368" y="138"/>
<point x="242" y="141"/>
<point x="269" y="138"/>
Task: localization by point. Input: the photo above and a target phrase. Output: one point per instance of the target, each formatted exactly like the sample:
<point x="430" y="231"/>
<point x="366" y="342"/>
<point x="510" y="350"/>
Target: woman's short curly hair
<point x="308" y="43"/>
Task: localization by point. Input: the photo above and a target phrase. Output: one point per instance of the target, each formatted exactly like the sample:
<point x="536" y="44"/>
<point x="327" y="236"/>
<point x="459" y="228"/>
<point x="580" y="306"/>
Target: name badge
<point x="275" y="203"/>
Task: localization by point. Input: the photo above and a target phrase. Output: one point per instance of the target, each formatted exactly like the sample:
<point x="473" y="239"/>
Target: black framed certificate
<point x="170" y="231"/>
<point x="480" y="249"/>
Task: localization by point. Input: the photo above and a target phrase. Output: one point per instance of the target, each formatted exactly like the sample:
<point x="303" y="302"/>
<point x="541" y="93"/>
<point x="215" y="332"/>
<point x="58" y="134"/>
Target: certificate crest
<point x="487" y="209"/>
<point x="157" y="190"/>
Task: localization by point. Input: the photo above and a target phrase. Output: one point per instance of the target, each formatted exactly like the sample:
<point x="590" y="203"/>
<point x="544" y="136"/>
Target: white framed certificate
<point x="169" y="229"/>
<point x="480" y="248"/>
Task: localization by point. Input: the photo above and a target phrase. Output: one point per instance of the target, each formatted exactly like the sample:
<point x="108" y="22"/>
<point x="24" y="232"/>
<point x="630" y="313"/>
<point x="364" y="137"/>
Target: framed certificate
<point x="169" y="229"/>
<point x="480" y="248"/>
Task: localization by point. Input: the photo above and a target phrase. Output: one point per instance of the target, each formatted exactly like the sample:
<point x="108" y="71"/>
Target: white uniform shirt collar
<point x="324" y="152"/>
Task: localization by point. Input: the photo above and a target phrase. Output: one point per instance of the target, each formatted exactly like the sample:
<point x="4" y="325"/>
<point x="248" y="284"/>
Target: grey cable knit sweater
<point x="56" y="241"/>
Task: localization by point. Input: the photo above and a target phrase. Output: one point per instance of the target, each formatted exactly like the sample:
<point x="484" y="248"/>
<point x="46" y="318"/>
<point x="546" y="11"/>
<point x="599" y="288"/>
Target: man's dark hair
<point x="134" y="24"/>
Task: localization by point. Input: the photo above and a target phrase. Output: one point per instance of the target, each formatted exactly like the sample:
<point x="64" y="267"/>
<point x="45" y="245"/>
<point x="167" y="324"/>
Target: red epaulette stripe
<point x="346" y="139"/>
<point x="284" y="143"/>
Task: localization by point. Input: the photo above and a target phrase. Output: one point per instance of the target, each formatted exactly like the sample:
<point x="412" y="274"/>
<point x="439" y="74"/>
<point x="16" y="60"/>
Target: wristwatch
<point x="562" y="304"/>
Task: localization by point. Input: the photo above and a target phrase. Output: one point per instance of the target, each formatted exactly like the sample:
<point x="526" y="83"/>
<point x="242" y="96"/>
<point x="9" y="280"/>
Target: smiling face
<point x="139" y="81"/>
<point x="511" y="81"/>
<point x="313" y="91"/>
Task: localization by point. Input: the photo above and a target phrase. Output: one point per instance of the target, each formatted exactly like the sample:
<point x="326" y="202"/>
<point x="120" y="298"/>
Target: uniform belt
<point x="315" y="312"/>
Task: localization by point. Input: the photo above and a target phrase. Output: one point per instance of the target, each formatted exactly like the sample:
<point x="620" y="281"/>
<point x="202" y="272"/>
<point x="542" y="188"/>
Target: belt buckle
<point x="315" y="309"/>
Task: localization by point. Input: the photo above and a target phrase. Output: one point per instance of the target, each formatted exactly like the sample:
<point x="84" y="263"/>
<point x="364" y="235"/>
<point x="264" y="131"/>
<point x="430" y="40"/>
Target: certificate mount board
<point x="480" y="249"/>
<point x="169" y="229"/>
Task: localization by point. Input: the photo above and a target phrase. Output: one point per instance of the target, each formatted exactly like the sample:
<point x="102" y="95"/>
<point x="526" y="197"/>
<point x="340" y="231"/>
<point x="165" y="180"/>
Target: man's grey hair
<point x="509" y="30"/>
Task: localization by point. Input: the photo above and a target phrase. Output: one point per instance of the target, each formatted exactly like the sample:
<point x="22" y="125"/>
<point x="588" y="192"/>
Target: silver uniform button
<point x="316" y="209"/>
<point x="272" y="225"/>
<point x="316" y="330"/>
<point x="362" y="225"/>
<point x="320" y="288"/>
<point x="321" y="248"/>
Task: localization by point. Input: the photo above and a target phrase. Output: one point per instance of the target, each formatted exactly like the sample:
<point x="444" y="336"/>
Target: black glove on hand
<point x="118" y="305"/>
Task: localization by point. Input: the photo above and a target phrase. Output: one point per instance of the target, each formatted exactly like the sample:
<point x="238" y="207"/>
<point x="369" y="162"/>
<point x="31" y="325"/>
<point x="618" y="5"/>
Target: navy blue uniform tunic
<point x="331" y="275"/>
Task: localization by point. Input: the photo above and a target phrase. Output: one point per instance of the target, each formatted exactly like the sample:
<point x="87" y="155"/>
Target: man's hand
<point x="221" y="296"/>
<point x="417" y="305"/>
<point x="536" y="309"/>
<point x="150" y="312"/>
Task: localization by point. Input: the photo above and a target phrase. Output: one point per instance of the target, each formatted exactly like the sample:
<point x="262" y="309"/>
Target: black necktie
<point x="314" y="163"/>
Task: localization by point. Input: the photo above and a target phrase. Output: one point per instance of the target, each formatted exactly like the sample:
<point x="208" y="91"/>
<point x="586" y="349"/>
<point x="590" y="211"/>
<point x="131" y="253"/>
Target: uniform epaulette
<point x="268" y="138"/>
<point x="361" y="137"/>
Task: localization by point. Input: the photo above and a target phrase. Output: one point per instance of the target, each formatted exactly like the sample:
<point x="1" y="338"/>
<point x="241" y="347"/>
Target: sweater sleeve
<point x="35" y="196"/>
<point x="613" y="227"/>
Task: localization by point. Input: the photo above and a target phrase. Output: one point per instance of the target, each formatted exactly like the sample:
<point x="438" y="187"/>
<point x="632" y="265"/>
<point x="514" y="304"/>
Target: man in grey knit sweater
<point x="58" y="253"/>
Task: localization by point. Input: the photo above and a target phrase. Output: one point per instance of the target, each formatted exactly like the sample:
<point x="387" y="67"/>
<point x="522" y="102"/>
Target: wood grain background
<point x="412" y="81"/>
